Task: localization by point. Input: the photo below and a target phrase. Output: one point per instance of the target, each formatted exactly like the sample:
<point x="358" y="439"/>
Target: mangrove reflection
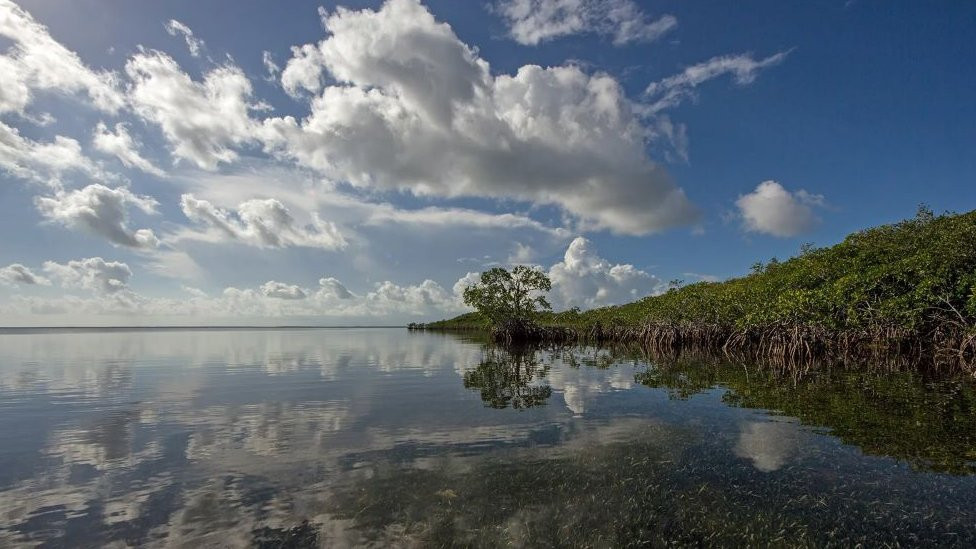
<point x="928" y="422"/>
<point x="291" y="438"/>
<point x="510" y="377"/>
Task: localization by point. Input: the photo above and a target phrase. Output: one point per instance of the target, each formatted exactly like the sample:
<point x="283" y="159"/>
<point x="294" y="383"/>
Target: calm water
<point x="383" y="437"/>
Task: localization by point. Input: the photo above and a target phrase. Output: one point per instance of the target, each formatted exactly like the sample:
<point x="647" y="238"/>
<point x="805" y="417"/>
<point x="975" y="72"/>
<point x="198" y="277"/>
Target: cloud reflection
<point x="768" y="444"/>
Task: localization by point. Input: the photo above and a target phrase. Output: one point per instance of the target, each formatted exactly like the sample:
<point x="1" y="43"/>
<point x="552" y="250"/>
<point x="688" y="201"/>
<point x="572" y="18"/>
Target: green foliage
<point x="514" y="296"/>
<point x="914" y="276"/>
<point x="911" y="277"/>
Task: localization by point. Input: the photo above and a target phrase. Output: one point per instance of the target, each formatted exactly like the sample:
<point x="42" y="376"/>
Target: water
<point x="383" y="437"/>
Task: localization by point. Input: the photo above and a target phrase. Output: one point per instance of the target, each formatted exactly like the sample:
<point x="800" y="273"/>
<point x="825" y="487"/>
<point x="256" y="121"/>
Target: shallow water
<point x="343" y="437"/>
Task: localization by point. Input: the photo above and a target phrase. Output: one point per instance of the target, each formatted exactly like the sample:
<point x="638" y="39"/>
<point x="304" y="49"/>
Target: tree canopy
<point x="506" y="297"/>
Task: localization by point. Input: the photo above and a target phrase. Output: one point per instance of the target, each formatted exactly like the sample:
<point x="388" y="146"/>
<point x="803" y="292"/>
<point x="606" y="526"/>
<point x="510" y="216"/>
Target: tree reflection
<point x="922" y="418"/>
<point x="510" y="377"/>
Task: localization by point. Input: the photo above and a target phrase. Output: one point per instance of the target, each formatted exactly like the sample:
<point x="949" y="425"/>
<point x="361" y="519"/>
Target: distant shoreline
<point x="48" y="329"/>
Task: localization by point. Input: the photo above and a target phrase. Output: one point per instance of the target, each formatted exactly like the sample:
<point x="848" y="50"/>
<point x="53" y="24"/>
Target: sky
<point x="246" y="162"/>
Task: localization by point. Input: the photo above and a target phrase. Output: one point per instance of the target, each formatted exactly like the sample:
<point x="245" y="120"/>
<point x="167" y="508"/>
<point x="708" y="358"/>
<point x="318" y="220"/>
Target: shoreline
<point x="789" y="344"/>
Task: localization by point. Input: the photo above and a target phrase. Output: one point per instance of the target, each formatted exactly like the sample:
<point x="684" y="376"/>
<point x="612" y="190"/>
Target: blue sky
<point x="236" y="162"/>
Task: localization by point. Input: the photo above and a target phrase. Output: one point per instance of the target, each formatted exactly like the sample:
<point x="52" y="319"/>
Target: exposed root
<point x="792" y="345"/>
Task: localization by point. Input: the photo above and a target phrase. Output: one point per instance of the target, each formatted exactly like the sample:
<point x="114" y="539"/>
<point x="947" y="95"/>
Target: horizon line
<point x="205" y="327"/>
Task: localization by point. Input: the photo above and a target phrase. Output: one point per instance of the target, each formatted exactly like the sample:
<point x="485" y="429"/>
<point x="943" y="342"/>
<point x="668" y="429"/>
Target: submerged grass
<point x="662" y="486"/>
<point x="905" y="288"/>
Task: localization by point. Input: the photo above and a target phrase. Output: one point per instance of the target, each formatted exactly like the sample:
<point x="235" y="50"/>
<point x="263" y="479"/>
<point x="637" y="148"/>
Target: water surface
<point x="383" y="437"/>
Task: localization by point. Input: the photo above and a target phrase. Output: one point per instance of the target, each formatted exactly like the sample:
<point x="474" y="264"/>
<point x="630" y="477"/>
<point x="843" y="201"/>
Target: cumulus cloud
<point x="111" y="295"/>
<point x="672" y="90"/>
<point x="417" y="109"/>
<point x="202" y="121"/>
<point x="396" y="102"/>
<point x="584" y="279"/>
<point x="469" y="279"/>
<point x="771" y="209"/>
<point x="303" y="71"/>
<point x="102" y="211"/>
<point x="426" y="296"/>
<point x="94" y="274"/>
<point x="35" y="61"/>
<point x="533" y="21"/>
<point x="194" y="44"/>
<point x="265" y="223"/>
<point x="521" y="255"/>
<point x="281" y="290"/>
<point x="16" y="274"/>
<point x="331" y="288"/>
<point x="41" y="162"/>
<point x="121" y="145"/>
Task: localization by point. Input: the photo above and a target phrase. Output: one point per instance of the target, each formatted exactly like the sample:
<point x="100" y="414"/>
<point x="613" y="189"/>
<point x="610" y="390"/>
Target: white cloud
<point x="331" y="288"/>
<point x="280" y="290"/>
<point x="673" y="90"/>
<point x="44" y="163"/>
<point x="195" y="292"/>
<point x="470" y="279"/>
<point x="377" y="235"/>
<point x="396" y="102"/>
<point x="531" y="22"/>
<point x="584" y="279"/>
<point x="121" y="145"/>
<point x="194" y="44"/>
<point x="521" y="255"/>
<point x="94" y="274"/>
<point x="438" y="217"/>
<point x="36" y="61"/>
<point x="108" y="282"/>
<point x="771" y="209"/>
<point x="15" y="274"/>
<point x="424" y="297"/>
<point x="265" y="223"/>
<point x="331" y="299"/>
<point x="581" y="279"/>
<point x="303" y="72"/>
<point x="102" y="211"/>
<point x="269" y="65"/>
<point x="201" y="120"/>
<point x="417" y="109"/>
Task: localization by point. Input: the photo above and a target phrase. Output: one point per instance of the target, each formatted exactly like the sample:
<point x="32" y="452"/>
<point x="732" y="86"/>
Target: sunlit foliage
<point x="509" y="297"/>
<point x="915" y="279"/>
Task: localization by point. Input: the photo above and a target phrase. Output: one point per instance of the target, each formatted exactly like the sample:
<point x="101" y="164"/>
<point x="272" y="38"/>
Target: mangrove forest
<point x="904" y="289"/>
